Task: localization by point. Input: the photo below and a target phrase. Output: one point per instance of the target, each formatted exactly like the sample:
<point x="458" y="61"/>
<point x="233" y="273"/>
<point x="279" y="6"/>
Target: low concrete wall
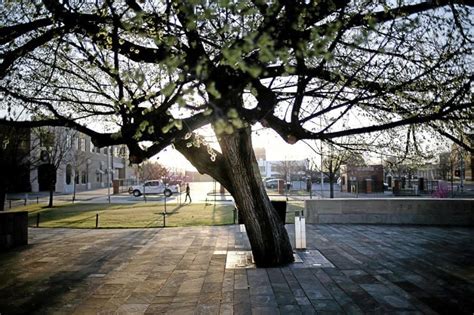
<point x="391" y="211"/>
<point x="13" y="229"/>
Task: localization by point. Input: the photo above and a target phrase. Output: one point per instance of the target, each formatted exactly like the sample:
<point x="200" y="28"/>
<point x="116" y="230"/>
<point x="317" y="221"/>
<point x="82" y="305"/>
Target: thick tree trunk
<point x="268" y="237"/>
<point x="237" y="170"/>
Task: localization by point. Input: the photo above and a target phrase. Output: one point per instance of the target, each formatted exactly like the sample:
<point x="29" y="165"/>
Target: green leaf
<point x="211" y="89"/>
<point x="168" y="89"/>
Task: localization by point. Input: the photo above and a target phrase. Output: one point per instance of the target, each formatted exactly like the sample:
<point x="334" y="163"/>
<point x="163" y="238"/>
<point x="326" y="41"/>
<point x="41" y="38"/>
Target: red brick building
<point x="363" y="179"/>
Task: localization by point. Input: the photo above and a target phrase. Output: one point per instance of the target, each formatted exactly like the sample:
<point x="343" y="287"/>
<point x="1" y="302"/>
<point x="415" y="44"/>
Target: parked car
<point x="271" y="183"/>
<point x="153" y="187"/>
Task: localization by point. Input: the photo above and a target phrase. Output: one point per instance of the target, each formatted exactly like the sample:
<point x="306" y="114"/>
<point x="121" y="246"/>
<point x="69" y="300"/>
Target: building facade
<point x="75" y="162"/>
<point x="363" y="179"/>
<point x="288" y="170"/>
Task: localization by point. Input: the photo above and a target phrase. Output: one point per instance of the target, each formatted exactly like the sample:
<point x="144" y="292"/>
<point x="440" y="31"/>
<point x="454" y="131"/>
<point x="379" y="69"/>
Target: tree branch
<point x="200" y="158"/>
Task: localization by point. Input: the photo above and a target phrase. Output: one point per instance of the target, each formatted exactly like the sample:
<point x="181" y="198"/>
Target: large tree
<point x="157" y="71"/>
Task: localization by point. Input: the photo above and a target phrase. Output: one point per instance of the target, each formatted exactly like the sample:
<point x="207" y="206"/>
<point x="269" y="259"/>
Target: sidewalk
<point x="372" y="269"/>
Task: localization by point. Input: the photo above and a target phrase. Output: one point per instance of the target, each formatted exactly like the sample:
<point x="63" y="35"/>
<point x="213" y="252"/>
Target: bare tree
<point x="335" y="156"/>
<point x="155" y="72"/>
<point x="289" y="169"/>
<point x="55" y="151"/>
<point x="152" y="170"/>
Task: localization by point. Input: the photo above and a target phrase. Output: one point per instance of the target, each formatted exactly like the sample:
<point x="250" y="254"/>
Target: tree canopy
<point x="158" y="70"/>
<point x="149" y="73"/>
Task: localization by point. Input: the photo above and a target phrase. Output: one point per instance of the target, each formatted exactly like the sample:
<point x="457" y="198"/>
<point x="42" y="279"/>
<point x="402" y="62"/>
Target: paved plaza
<point x="372" y="269"/>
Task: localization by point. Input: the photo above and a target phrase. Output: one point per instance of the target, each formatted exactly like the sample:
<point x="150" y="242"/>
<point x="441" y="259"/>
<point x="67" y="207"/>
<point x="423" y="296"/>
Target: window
<point x="82" y="144"/>
<point x="76" y="178"/>
<point x="123" y="151"/>
<point x="91" y="147"/>
<point x="83" y="177"/>
<point x="68" y="174"/>
<point x="99" y="173"/>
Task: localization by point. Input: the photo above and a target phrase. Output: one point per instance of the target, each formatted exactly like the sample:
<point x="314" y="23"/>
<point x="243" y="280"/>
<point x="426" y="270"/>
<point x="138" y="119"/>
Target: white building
<point x="280" y="169"/>
<point x="74" y="160"/>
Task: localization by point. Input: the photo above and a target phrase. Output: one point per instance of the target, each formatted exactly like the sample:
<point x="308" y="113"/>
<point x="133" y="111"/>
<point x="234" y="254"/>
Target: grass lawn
<point x="291" y="208"/>
<point x="83" y="215"/>
<point x="138" y="215"/>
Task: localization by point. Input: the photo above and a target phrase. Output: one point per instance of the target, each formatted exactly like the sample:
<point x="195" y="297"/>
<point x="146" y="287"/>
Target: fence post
<point x="165" y="203"/>
<point x="164" y="218"/>
<point x="37" y="219"/>
<point x="96" y="220"/>
<point x="235" y="214"/>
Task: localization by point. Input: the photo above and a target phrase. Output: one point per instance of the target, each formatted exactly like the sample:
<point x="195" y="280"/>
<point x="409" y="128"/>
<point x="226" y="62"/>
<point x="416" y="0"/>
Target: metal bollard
<point x="300" y="230"/>
<point x="96" y="220"/>
<point x="164" y="218"/>
<point x="37" y="219"/>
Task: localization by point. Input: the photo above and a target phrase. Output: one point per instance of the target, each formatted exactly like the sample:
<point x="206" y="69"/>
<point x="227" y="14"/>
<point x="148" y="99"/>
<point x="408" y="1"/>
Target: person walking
<point x="187" y="194"/>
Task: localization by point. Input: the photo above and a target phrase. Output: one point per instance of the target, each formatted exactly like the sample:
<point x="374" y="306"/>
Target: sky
<point x="276" y="150"/>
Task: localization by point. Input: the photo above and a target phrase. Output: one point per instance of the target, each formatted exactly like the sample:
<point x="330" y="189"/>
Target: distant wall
<point x="391" y="211"/>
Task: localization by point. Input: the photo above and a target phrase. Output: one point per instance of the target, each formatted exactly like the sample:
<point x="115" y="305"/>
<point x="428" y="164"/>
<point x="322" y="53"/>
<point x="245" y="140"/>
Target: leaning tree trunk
<point x="237" y="170"/>
<point x="268" y="237"/>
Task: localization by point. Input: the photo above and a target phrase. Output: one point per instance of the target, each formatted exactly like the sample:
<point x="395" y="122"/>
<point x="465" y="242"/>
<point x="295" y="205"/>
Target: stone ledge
<point x="391" y="211"/>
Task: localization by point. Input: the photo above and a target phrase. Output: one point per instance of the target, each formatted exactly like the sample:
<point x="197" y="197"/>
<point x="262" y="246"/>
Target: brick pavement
<point x="377" y="269"/>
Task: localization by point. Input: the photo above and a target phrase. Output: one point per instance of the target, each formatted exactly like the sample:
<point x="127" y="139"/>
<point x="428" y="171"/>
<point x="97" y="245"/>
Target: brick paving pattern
<point x="375" y="269"/>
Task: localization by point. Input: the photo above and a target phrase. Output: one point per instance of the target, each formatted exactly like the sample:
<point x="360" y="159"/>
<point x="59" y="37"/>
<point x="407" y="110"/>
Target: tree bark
<point x="268" y="237"/>
<point x="50" y="203"/>
<point x="237" y="170"/>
